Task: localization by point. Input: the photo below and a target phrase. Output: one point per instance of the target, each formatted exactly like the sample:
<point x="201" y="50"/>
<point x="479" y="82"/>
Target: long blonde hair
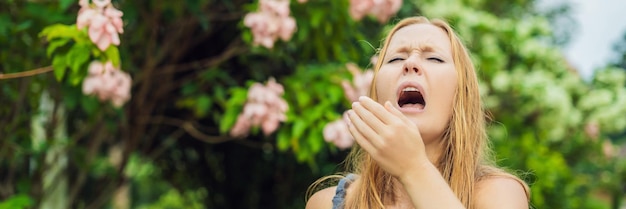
<point x="465" y="157"/>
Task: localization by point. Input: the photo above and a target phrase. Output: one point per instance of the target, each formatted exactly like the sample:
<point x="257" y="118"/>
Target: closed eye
<point x="435" y="59"/>
<point x="395" y="59"/>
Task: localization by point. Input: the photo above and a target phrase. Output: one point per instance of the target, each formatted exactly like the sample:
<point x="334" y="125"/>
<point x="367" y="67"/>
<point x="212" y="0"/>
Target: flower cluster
<point x="265" y="107"/>
<point x="337" y="132"/>
<point x="381" y="9"/>
<point x="104" y="22"/>
<point x="108" y="83"/>
<point x="271" y="22"/>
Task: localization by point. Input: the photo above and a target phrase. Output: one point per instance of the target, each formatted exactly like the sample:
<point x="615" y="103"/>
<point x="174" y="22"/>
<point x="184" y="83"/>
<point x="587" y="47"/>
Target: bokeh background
<point x="234" y="103"/>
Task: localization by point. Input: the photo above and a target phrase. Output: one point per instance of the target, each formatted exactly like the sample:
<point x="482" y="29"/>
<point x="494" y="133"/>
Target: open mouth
<point x="411" y="97"/>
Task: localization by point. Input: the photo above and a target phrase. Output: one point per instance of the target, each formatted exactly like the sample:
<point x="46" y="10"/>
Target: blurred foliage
<point x="192" y="63"/>
<point x="18" y="201"/>
<point x="311" y="111"/>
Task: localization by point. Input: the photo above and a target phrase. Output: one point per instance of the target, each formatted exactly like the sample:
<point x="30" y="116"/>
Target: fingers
<point x="359" y="138"/>
<point x="377" y="110"/>
<point x="389" y="107"/>
<point x="362" y="129"/>
<point x="368" y="118"/>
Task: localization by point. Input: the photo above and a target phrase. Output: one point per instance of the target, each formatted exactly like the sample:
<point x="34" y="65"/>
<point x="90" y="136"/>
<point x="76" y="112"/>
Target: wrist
<point x="422" y="171"/>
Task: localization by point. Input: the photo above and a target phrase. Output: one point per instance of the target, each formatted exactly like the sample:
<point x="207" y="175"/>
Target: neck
<point x="433" y="150"/>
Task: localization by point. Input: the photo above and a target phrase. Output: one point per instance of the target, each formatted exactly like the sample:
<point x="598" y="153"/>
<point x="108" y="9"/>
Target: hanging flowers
<point x="337" y="132"/>
<point x="381" y="9"/>
<point x="271" y="22"/>
<point x="104" y="80"/>
<point x="103" y="20"/>
<point x="265" y="107"/>
<point x="107" y="83"/>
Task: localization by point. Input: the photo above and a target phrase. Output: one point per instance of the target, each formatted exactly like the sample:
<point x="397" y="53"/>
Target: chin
<point x="415" y="121"/>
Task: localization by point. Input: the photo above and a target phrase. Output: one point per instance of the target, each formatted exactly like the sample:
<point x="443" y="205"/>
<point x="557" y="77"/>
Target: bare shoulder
<point x="501" y="192"/>
<point x="322" y="199"/>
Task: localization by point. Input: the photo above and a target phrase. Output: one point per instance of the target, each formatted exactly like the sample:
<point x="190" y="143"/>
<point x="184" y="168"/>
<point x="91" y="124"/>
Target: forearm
<point x="427" y="189"/>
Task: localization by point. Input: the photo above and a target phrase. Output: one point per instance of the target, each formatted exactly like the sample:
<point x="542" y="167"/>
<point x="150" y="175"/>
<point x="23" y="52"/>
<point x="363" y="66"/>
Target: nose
<point x="411" y="65"/>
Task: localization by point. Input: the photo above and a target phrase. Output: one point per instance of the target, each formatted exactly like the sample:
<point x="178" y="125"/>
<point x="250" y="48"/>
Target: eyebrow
<point x="422" y="47"/>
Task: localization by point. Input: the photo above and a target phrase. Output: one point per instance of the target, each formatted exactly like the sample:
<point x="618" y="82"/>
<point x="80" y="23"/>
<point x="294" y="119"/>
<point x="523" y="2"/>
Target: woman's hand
<point x="392" y="140"/>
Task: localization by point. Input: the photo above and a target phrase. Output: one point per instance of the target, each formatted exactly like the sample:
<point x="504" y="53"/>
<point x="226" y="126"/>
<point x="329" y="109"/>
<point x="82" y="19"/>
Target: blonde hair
<point x="465" y="157"/>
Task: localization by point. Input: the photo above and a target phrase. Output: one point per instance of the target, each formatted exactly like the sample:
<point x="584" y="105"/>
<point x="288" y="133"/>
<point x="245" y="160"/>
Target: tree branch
<point x="190" y="128"/>
<point x="26" y="73"/>
<point x="233" y="49"/>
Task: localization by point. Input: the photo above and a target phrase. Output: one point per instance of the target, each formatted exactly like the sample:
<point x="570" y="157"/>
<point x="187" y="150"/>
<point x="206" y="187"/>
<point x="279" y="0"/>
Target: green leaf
<point x="113" y="54"/>
<point x="233" y="108"/>
<point x="56" y="43"/>
<point x="60" y="31"/>
<point x="299" y="126"/>
<point x="59" y="65"/>
<point x="96" y="52"/>
<point x="202" y="105"/>
<point x="77" y="56"/>
<point x="75" y="78"/>
<point x="75" y="59"/>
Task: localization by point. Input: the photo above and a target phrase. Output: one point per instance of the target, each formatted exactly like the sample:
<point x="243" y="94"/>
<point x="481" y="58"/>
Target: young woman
<point x="421" y="134"/>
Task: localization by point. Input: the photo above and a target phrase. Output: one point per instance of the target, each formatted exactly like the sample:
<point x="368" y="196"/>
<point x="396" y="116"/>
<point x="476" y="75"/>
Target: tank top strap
<point x="340" y="193"/>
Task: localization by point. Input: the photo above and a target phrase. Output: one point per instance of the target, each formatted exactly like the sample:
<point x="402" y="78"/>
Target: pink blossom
<point x="101" y="3"/>
<point x="275" y="86"/>
<point x="271" y="22"/>
<point x="85" y="15"/>
<point x="83" y="3"/>
<point x="115" y="16"/>
<point x="302" y="1"/>
<point x="359" y="8"/>
<point x="381" y="9"/>
<point x="278" y="7"/>
<point x="241" y="128"/>
<point x="255" y="112"/>
<point x="104" y="22"/>
<point x="287" y="29"/>
<point x="361" y="83"/>
<point x="338" y="133"/>
<point x="107" y="83"/>
<point x="264" y="107"/>
<point x="270" y="124"/>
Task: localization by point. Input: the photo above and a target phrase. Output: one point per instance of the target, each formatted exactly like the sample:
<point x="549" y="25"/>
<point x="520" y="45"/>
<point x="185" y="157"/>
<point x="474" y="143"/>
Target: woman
<point x="421" y="136"/>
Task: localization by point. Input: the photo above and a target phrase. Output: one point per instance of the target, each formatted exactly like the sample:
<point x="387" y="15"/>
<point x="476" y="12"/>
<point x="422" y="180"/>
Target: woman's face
<point x="418" y="76"/>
